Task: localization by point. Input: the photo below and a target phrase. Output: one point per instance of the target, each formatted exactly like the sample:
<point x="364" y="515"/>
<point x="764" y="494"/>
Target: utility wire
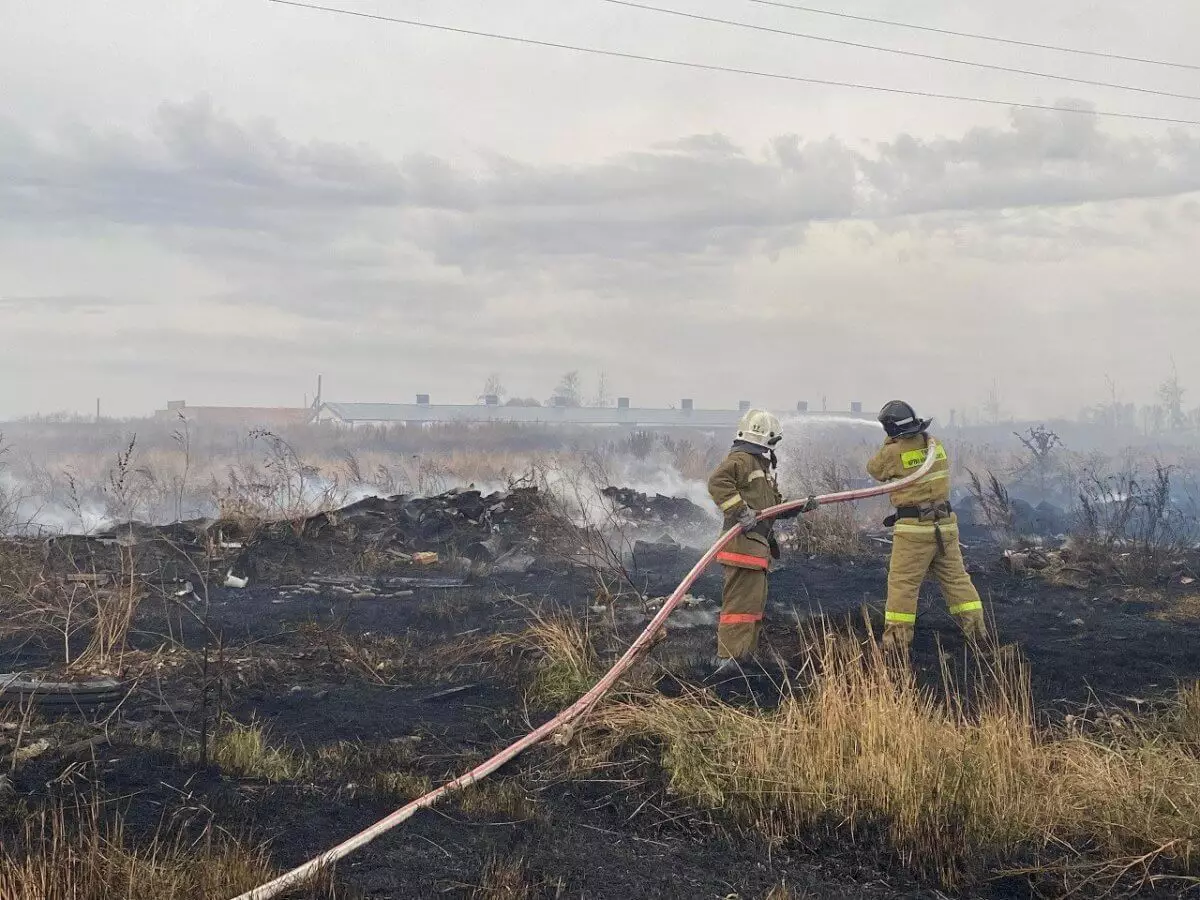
<point x="895" y="50"/>
<point x="684" y="64"/>
<point x="1101" y="54"/>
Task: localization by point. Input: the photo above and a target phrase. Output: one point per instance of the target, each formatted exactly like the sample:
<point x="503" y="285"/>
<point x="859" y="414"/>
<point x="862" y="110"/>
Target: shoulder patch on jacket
<point x="913" y="459"/>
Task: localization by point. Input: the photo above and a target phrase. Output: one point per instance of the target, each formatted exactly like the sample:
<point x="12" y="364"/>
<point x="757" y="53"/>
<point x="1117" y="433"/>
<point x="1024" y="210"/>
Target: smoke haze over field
<point x="218" y="202"/>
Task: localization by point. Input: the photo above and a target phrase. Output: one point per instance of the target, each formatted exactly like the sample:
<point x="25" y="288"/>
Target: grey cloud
<point x="198" y="169"/>
<point x="1041" y="159"/>
<point x="327" y="229"/>
<point x="62" y="303"/>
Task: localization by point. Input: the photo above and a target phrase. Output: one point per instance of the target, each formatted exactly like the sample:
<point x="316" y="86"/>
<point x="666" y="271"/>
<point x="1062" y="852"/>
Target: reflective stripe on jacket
<point x="743" y="480"/>
<point x="902" y="456"/>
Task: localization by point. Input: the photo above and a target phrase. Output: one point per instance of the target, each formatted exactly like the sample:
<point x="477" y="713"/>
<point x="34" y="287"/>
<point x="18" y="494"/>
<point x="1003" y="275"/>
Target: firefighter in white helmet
<point x="741" y="485"/>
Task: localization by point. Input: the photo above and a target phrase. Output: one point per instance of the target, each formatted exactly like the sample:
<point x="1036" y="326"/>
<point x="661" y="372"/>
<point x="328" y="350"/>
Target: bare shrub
<point x="282" y="488"/>
<point x="1127" y="524"/>
<point x="830" y="530"/>
<point x="994" y="503"/>
<point x="639" y="445"/>
<point x="584" y="528"/>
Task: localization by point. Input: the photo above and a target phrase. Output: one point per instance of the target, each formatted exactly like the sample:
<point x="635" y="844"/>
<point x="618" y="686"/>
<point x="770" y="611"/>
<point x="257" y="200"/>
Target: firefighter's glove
<point x="809" y="505"/>
<point x="747" y="519"/>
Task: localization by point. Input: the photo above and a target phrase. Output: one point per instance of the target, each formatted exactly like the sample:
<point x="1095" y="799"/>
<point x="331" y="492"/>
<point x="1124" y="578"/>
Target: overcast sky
<point x="216" y="200"/>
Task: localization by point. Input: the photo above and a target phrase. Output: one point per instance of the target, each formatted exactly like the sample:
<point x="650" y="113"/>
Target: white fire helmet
<point x="760" y="427"/>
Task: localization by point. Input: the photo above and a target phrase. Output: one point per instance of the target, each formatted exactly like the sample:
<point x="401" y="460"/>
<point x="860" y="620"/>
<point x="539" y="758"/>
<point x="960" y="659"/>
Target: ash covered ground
<point x="347" y="632"/>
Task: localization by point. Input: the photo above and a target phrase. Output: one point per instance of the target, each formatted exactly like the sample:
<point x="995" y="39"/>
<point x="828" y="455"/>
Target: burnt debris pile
<point x="376" y="532"/>
<point x="656" y="509"/>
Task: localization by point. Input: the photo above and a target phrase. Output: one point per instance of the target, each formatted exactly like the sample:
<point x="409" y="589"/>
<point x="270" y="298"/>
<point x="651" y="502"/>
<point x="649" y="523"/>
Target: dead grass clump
<point x="497" y="799"/>
<point x="1183" y="609"/>
<point x="383" y="770"/>
<point x="245" y="750"/>
<point x="1185" y="715"/>
<point x="781" y="891"/>
<point x="67" y="853"/>
<point x="951" y="787"/>
<point x="503" y="879"/>
<point x="830" y="531"/>
<point x="560" y="650"/>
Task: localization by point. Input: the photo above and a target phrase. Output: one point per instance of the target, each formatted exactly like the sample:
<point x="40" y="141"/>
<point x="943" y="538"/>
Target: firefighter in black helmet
<point x="925" y="530"/>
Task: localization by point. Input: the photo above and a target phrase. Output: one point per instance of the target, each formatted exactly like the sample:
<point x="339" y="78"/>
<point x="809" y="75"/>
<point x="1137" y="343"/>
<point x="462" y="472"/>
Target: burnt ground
<point x="319" y="668"/>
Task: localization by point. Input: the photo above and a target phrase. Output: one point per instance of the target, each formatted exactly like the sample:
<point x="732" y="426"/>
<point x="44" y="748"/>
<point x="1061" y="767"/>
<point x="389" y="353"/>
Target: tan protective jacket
<point x="744" y="480"/>
<point x="900" y="457"/>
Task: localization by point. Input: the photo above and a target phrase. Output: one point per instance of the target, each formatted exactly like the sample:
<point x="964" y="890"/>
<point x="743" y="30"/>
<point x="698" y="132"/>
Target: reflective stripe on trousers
<point x="742" y="560"/>
<point x="740" y="618"/>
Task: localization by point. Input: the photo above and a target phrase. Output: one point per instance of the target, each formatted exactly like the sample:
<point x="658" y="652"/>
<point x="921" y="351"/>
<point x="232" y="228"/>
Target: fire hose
<point x="564" y="722"/>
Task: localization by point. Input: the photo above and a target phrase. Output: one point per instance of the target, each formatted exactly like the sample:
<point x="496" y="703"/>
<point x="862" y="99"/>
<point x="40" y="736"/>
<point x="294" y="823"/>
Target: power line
<point x="684" y="64"/>
<point x="1101" y="54"/>
<point x="897" y="51"/>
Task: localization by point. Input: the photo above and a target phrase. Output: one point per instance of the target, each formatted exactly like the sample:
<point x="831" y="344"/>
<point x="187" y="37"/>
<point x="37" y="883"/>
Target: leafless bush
<point x="10" y="496"/>
<point x="995" y="504"/>
<point x="1041" y="444"/>
<point x="584" y="528"/>
<point x="639" y="445"/>
<point x="283" y="488"/>
<point x="1130" y="521"/>
<point x="831" y="530"/>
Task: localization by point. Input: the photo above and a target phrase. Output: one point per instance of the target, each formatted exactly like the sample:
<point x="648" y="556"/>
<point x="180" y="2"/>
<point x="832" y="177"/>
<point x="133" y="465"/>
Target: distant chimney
<point x="802" y="406"/>
<point x="686" y="405"/>
<point x="743" y="405"/>
<point x="622" y="403"/>
<point x="422" y="399"/>
<point x="856" y="407"/>
<point x="491" y="400"/>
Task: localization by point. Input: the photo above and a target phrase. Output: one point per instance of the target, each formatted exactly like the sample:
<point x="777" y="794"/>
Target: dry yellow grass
<point x="560" y="650"/>
<point x="497" y="799"/>
<point x="503" y="879"/>
<point x="955" y="792"/>
<point x="245" y="750"/>
<point x="73" y="853"/>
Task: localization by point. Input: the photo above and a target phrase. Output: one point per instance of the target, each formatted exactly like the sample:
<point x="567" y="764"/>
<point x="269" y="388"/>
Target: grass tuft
<point x="75" y="853"/>
<point x="246" y="751"/>
<point x="503" y="880"/>
<point x="497" y="799"/>
<point x="565" y="663"/>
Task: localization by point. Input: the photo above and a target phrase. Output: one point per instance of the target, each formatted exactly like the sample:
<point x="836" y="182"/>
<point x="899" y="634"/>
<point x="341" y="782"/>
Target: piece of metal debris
<point x="234" y="581"/>
<point x="449" y="692"/>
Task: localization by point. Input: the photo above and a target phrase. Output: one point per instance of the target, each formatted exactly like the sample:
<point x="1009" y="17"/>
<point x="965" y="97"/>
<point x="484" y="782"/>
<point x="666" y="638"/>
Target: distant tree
<point x="601" y="398"/>
<point x="991" y="406"/>
<point x="494" y="387"/>
<point x="523" y="401"/>
<point x="569" y="391"/>
<point x="1171" y="392"/>
<point x="1041" y="443"/>
<point x="1112" y="413"/>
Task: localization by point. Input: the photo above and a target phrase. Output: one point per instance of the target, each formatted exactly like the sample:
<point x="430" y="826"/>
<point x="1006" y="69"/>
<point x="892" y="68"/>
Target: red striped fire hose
<point x="565" y="719"/>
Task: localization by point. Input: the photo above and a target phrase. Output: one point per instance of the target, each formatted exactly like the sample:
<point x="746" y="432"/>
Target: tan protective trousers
<point x="915" y="553"/>
<point x="742" y="605"/>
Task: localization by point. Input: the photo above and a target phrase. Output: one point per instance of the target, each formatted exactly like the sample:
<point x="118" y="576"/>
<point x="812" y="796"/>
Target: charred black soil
<point x="373" y="673"/>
